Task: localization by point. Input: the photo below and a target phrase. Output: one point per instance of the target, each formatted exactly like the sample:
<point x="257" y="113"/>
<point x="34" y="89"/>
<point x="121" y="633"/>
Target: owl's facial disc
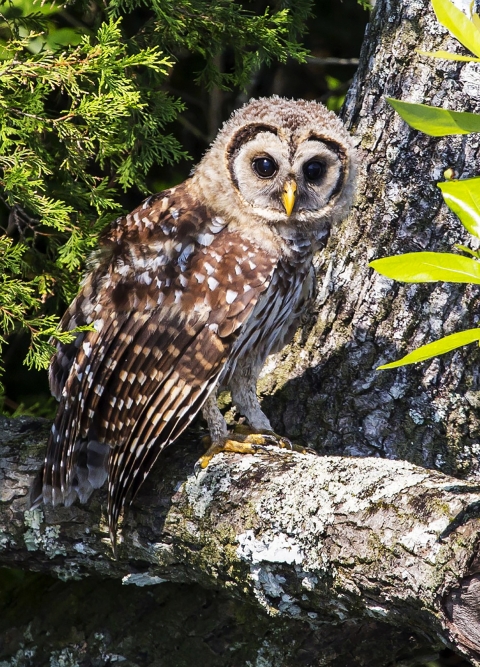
<point x="283" y="177"/>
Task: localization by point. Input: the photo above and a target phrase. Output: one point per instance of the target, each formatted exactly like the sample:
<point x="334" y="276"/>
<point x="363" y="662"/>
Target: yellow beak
<point x="288" y="195"/>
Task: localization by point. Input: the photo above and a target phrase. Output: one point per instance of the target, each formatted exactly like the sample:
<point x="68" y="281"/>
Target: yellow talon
<point x="246" y="442"/>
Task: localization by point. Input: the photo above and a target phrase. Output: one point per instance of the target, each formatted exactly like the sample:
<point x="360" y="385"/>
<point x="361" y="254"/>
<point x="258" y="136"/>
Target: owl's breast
<point x="276" y="315"/>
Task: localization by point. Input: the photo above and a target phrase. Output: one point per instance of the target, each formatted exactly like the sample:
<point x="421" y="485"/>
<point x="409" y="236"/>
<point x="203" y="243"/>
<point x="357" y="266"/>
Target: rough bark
<point x="330" y="548"/>
<point x="324" y="389"/>
<point x="302" y="560"/>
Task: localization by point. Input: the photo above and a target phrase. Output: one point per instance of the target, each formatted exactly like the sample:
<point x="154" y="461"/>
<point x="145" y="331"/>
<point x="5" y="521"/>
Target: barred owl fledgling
<point x="191" y="292"/>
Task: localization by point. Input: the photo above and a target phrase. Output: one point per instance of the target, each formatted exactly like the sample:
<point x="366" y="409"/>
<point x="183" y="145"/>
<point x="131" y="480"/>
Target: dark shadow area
<point x="97" y="623"/>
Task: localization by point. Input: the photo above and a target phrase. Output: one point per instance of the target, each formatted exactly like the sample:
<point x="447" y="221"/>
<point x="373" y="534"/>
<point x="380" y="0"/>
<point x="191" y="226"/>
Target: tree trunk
<point x="302" y="560"/>
<point x="325" y="389"/>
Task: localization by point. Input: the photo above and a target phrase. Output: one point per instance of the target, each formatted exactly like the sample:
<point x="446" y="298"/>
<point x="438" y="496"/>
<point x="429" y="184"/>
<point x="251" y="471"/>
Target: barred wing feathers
<point x="168" y="299"/>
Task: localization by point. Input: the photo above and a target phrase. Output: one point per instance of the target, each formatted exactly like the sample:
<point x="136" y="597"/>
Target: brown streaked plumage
<point x="191" y="291"/>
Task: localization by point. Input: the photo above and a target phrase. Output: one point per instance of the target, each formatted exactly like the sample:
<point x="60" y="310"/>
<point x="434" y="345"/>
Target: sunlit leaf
<point x="441" y="346"/>
<point x="464" y="248"/>
<point x="428" y="267"/>
<point x="463" y="198"/>
<point x="458" y="24"/>
<point x="446" y="55"/>
<point x="435" y="121"/>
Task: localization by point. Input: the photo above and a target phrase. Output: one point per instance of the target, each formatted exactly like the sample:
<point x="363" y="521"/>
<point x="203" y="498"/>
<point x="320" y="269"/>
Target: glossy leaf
<point x="446" y="55"/>
<point x="463" y="198"/>
<point x="441" y="346"/>
<point x="435" y="121"/>
<point x="461" y="27"/>
<point x="428" y="267"/>
<point x="464" y="248"/>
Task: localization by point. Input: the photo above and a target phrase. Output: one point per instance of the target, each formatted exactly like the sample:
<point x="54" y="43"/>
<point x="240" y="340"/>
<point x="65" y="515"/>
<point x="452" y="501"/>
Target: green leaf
<point x="428" y="267"/>
<point x="441" y="346"/>
<point x="458" y="24"/>
<point x="463" y="198"/>
<point x="435" y="121"/>
<point x="469" y="251"/>
<point x="476" y="21"/>
<point x="446" y="55"/>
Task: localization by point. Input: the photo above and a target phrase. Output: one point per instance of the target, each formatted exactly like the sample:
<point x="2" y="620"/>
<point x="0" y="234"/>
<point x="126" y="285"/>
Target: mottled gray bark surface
<point x="291" y="560"/>
<point x="325" y="389"/>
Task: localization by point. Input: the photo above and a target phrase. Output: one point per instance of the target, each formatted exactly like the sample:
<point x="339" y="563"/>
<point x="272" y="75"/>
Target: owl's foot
<point x="272" y="438"/>
<point x="244" y="441"/>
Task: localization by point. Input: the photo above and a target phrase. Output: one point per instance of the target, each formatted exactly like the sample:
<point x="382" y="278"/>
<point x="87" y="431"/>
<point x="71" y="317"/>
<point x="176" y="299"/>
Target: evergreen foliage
<point x="84" y="116"/>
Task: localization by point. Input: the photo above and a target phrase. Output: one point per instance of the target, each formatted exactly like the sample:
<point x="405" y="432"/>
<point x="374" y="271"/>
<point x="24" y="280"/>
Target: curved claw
<point x="263" y="436"/>
<point x="245" y="441"/>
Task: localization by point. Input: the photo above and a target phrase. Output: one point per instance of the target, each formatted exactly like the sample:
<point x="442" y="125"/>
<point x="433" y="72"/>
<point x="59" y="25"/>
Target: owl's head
<point x="290" y="164"/>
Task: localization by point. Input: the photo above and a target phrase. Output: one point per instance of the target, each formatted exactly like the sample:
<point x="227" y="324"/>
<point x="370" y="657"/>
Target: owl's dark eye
<point x="313" y="170"/>
<point x="264" y="167"/>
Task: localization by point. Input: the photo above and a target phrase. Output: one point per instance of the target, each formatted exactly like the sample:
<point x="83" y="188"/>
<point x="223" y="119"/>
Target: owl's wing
<point x="167" y="303"/>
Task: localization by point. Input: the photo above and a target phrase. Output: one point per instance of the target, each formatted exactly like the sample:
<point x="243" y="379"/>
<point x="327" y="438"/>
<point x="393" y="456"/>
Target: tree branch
<point x="327" y="541"/>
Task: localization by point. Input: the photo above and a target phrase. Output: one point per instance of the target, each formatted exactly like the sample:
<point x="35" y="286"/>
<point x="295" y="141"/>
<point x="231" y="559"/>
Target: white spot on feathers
<point x="205" y="239"/>
<point x="144" y="278"/>
<point x="122" y="269"/>
<point x="230" y="296"/>
<point x="217" y="224"/>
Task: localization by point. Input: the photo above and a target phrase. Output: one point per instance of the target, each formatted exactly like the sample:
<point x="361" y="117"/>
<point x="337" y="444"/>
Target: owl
<point x="189" y="293"/>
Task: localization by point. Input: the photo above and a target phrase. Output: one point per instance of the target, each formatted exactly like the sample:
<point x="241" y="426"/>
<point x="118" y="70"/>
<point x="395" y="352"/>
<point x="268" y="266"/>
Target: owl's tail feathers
<point x="88" y="471"/>
<point x="35" y="498"/>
